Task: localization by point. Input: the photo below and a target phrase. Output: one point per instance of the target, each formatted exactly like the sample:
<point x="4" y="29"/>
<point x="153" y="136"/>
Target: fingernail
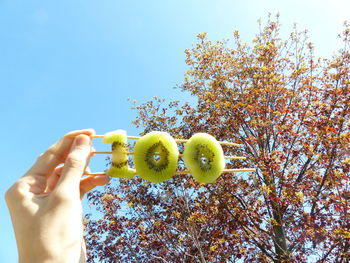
<point x="82" y="140"/>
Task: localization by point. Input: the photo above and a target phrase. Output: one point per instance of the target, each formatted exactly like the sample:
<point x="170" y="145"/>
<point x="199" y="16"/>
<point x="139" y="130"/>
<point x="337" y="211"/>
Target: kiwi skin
<point x="156" y="156"/>
<point x="204" y="157"/>
<point x="119" y="166"/>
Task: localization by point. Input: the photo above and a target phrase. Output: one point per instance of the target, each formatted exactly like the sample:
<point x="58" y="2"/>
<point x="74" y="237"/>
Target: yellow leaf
<point x="213" y="248"/>
<point x="300" y="196"/>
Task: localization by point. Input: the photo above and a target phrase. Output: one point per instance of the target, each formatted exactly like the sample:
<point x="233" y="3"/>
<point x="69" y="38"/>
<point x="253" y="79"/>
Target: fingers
<point x="53" y="179"/>
<point x="56" y="154"/>
<point x="90" y="182"/>
<point x="74" y="166"/>
<point x="86" y="184"/>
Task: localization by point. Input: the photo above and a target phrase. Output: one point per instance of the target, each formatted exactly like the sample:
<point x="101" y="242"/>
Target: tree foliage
<point x="290" y="111"/>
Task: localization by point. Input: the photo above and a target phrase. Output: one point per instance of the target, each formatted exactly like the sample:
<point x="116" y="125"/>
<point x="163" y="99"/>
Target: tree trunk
<point x="280" y="240"/>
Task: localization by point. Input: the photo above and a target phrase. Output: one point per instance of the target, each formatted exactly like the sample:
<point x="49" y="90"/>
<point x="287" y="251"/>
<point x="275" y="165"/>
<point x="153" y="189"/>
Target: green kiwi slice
<point x="156" y="156"/>
<point x="204" y="157"/>
<point x="119" y="166"/>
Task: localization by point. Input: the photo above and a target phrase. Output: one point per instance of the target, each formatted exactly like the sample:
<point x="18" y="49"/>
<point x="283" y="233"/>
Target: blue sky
<point x="67" y="65"/>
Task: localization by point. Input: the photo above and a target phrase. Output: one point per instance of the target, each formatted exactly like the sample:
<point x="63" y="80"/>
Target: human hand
<point x="45" y="204"/>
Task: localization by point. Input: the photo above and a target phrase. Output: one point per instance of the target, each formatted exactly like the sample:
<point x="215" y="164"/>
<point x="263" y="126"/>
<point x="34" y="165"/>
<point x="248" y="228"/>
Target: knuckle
<point x="52" y="151"/>
<point x="14" y="192"/>
<point x="8" y="195"/>
<point x="74" y="161"/>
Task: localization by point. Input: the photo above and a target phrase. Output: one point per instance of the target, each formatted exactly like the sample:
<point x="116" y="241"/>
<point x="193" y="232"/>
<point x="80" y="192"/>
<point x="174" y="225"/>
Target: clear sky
<point x="67" y="65"/>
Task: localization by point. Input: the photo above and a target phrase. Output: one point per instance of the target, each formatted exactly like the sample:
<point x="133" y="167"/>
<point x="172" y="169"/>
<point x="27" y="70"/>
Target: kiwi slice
<point x="204" y="158"/>
<point x="119" y="166"/>
<point x="156" y="156"/>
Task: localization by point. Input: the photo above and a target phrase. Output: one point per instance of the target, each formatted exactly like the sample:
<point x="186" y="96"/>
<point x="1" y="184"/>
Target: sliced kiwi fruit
<point x="204" y="157"/>
<point x="156" y="156"/>
<point x="119" y="166"/>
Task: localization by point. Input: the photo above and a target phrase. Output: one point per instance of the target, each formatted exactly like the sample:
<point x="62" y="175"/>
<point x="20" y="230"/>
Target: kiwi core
<point x="119" y="158"/>
<point x="157" y="157"/>
<point x="204" y="156"/>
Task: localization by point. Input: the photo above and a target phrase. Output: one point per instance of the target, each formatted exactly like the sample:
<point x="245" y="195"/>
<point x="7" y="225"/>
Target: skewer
<point x="95" y="174"/>
<point x="177" y="140"/>
<point x="180" y="155"/>
<point x="225" y="171"/>
<point x="188" y="172"/>
<point x="128" y="153"/>
<point x="129" y="137"/>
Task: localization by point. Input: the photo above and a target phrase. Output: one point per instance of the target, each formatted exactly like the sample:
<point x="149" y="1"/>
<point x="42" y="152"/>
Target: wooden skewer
<point x="225" y="171"/>
<point x="188" y="172"/>
<point x="180" y="155"/>
<point x="129" y="137"/>
<point x="177" y="140"/>
<point x="235" y="157"/>
<point x="97" y="136"/>
<point x="95" y="174"/>
<point x="128" y="153"/>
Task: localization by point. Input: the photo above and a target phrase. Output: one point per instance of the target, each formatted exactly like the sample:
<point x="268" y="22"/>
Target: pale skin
<point x="45" y="204"/>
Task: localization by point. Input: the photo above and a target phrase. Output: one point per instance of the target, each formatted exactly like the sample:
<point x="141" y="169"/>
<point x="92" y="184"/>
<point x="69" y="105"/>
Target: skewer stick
<point x="181" y="140"/>
<point x="97" y="136"/>
<point x="128" y="153"/>
<point x="225" y="171"/>
<point x="180" y="155"/>
<point x="95" y="174"/>
<point x="227" y="157"/>
<point x="188" y="172"/>
<point x="235" y="157"/>
<point x="177" y="140"/>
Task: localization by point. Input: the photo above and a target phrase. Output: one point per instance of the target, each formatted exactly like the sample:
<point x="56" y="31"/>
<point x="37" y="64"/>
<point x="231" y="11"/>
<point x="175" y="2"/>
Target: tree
<point x="290" y="112"/>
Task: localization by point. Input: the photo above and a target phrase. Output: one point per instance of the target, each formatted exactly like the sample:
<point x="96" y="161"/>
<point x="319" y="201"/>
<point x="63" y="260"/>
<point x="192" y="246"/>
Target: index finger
<point x="56" y="154"/>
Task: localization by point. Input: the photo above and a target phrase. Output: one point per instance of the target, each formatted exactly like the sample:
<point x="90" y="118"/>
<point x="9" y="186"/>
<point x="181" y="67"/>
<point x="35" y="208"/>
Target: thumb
<point x="75" y="164"/>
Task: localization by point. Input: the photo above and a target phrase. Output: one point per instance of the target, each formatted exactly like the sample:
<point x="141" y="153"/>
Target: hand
<point x="45" y="204"/>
